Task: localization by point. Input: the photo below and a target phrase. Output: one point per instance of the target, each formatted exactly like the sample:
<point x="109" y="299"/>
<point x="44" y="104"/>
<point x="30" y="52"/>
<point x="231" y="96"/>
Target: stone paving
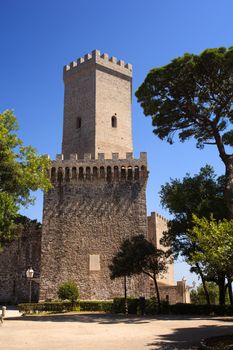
<point x="107" y="332"/>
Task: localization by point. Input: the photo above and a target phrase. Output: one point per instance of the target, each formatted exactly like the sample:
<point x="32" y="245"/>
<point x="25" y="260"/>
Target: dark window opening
<point x="114" y="121"/>
<point x="88" y="173"/>
<point x="116" y="172"/>
<point x="80" y="173"/>
<point x="123" y="172"/>
<point x="130" y="173"/>
<point x="109" y="173"/>
<point x="95" y="172"/>
<point x="74" y="173"/>
<point x="78" y="123"/>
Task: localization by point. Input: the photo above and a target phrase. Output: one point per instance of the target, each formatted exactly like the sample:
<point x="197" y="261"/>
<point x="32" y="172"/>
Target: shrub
<point x="119" y="305"/>
<point x="192" y="309"/>
<point x="96" y="305"/>
<point x="68" y="291"/>
<point x="54" y="306"/>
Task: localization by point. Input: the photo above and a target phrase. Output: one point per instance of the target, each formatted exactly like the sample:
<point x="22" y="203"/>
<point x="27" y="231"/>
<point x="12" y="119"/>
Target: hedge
<point x="193" y="309"/>
<point x="118" y="306"/>
<point x="54" y="306"/>
<point x="96" y="305"/>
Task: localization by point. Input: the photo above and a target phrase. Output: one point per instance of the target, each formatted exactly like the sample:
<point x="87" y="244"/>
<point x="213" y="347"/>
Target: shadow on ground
<point x="188" y="338"/>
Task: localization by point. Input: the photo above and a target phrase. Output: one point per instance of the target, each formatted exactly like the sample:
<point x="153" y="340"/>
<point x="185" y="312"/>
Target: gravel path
<point x="107" y="332"/>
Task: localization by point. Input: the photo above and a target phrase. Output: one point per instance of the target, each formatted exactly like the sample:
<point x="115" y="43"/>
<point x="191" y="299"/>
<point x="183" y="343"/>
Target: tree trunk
<point x="125" y="290"/>
<point x="230" y="290"/>
<point x="228" y="192"/>
<point x="157" y="293"/>
<point x="207" y="296"/>
<point x="222" y="290"/>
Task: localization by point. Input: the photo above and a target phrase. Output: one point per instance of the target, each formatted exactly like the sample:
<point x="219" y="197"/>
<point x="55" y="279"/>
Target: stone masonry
<point x="15" y="259"/>
<point x="93" y="207"/>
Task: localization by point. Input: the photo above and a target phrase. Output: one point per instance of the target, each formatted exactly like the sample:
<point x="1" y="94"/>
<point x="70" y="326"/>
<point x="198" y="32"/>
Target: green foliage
<point x="119" y="305"/>
<point x="192" y="97"/>
<point x="198" y="295"/>
<point x="21" y="171"/>
<point x="152" y="307"/>
<point x="214" y="255"/>
<point x="68" y="291"/>
<point x="54" y="306"/>
<point x="215" y="243"/>
<point x="96" y="305"/>
<point x="202" y="194"/>
<point x="137" y="255"/>
<point x="193" y="309"/>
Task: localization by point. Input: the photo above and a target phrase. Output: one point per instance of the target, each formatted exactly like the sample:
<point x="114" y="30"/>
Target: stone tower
<point x="97" y="106"/>
<point x="98" y="198"/>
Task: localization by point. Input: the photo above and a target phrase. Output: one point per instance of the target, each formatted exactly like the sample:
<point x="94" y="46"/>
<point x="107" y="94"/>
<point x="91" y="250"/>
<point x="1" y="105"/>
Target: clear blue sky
<point x="39" y="37"/>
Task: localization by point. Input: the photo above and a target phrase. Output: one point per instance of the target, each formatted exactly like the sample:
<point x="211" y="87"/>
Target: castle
<point x="98" y="197"/>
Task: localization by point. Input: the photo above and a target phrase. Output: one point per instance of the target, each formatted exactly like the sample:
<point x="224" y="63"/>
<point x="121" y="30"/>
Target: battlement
<point x="103" y="60"/>
<point x="158" y="216"/>
<point x="73" y="169"/>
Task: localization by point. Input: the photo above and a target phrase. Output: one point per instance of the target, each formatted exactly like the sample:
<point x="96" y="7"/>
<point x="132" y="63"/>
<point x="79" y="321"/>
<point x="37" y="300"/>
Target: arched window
<point x="116" y="172"/>
<point x="95" y="172"/>
<point x="74" y="173"/>
<point x="130" y="173"/>
<point x="114" y="121"/>
<point x="136" y="172"/>
<point x="102" y="172"/>
<point x="88" y="173"/>
<point x="80" y="173"/>
<point x="78" y="123"/>
<point x="109" y="173"/>
<point x="123" y="172"/>
<point x="53" y="174"/>
<point x="60" y="174"/>
<point x="67" y="174"/>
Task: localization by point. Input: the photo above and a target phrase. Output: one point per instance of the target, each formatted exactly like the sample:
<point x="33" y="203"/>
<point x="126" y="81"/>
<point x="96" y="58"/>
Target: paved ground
<point x="107" y="332"/>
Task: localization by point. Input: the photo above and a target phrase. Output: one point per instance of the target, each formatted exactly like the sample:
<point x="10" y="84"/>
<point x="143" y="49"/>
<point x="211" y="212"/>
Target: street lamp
<point x="29" y="274"/>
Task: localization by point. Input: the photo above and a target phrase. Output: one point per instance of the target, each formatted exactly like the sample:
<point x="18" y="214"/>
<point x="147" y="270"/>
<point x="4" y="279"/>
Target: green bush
<point x="119" y="305"/>
<point x="54" y="306"/>
<point x="96" y="305"/>
<point x="68" y="291"/>
<point x="192" y="309"/>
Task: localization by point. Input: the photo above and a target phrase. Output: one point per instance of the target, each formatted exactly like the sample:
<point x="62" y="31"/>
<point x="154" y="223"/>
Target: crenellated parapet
<point x="154" y="216"/>
<point x="101" y="61"/>
<point x="74" y="169"/>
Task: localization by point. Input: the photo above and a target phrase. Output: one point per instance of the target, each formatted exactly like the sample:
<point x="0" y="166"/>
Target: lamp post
<point x="29" y="274"/>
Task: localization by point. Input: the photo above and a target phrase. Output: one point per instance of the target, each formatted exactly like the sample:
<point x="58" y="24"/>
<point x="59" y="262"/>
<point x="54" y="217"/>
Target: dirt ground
<point x="95" y="331"/>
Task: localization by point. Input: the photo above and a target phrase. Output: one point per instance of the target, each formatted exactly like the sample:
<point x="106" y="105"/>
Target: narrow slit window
<point x="78" y="123"/>
<point x="114" y="121"/>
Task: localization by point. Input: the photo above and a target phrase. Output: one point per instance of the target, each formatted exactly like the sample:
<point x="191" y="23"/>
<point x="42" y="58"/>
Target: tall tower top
<point x="104" y="60"/>
<point x="97" y="107"/>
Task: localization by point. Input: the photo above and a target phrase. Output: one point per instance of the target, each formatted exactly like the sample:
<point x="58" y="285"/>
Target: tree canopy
<point x="193" y="97"/>
<point x="201" y="194"/>
<point x="21" y="171"/>
<point x="215" y="250"/>
<point x="137" y="255"/>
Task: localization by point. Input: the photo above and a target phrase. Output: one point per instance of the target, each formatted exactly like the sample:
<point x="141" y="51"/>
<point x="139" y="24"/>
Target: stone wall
<point x="85" y="220"/>
<point x="157" y="225"/>
<point x="175" y="294"/>
<point x="15" y="259"/>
